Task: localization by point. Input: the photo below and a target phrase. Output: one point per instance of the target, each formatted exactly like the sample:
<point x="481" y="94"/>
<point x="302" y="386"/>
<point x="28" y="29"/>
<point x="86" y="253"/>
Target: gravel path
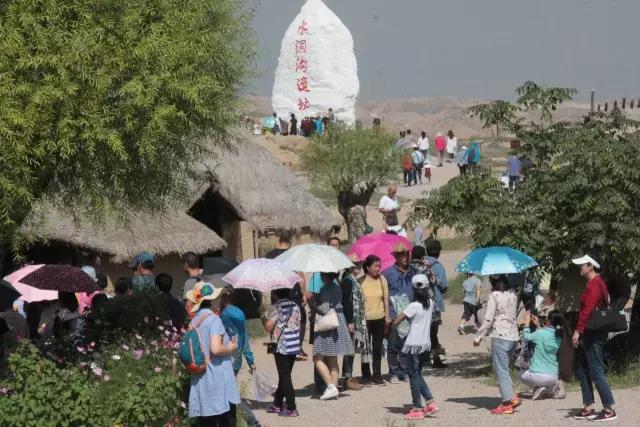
<point x="460" y="390"/>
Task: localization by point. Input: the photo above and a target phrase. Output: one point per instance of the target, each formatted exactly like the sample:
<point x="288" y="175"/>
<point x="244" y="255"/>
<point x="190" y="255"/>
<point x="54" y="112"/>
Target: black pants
<point x="284" y="365"/>
<point x="463" y="169"/>
<point x="228" y="419"/>
<point x="376" y="335"/>
<point x="435" y="343"/>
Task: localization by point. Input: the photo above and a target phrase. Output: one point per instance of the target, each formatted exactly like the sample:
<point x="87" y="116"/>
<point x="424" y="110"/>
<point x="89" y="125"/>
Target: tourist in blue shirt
<point x="439" y="288"/>
<point x="398" y="279"/>
<point x="234" y="320"/>
<point x="214" y="394"/>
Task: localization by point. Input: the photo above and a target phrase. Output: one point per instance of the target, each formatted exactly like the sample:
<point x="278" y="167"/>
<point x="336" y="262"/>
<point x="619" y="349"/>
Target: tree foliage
<point x="351" y="163"/>
<point x="532" y="96"/>
<point x="111" y="102"/>
<point x="583" y="192"/>
<point x="497" y="113"/>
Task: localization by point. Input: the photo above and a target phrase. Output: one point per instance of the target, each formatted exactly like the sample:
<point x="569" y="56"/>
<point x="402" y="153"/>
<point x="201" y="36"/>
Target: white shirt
<point x="423" y="143"/>
<point x="452" y="145"/>
<point x="389" y="204"/>
<point x="418" y="340"/>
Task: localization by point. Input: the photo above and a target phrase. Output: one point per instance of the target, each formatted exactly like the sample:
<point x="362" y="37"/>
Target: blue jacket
<point x="235" y="321"/>
<point x="441" y="274"/>
<point x="399" y="284"/>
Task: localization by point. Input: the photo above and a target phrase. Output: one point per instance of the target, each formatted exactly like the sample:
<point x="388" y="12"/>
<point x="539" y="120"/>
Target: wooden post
<point x="593" y="99"/>
<point x="615" y="104"/>
<point x="606" y="107"/>
<point x="598" y="108"/>
<point x="631" y="104"/>
<point x="624" y="103"/>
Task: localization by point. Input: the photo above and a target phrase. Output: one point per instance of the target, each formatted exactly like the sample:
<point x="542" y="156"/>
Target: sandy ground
<point x="462" y="394"/>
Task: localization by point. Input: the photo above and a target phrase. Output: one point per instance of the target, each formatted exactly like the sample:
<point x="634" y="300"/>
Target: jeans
<point x="590" y="369"/>
<point x="376" y="335"/>
<point x="417" y="174"/>
<point x="284" y="365"/>
<point x="397" y="364"/>
<point x="347" y="363"/>
<point x="419" y="387"/>
<point x="501" y="351"/>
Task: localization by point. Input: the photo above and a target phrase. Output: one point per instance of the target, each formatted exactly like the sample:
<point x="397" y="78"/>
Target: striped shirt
<point x="287" y="332"/>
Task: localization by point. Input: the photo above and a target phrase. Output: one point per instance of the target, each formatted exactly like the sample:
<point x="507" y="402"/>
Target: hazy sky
<point x="475" y="48"/>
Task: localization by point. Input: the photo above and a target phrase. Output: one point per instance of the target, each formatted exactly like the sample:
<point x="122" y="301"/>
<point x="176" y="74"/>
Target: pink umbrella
<point x="380" y="244"/>
<point x="29" y="293"/>
<point x="262" y="275"/>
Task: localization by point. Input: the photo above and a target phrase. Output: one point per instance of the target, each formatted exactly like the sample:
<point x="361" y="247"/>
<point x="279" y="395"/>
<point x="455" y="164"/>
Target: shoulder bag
<point x="607" y="318"/>
<point x="326" y="322"/>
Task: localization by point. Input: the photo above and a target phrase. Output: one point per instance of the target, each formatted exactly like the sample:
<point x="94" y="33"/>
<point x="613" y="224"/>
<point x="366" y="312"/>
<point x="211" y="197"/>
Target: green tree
<point x="496" y="113"/>
<point x="584" y="192"/>
<point x="109" y="103"/>
<point x="351" y="163"/>
<point x="532" y="96"/>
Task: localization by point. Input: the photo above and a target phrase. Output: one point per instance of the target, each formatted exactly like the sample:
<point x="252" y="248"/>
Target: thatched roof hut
<point x="262" y="191"/>
<point x="120" y="241"/>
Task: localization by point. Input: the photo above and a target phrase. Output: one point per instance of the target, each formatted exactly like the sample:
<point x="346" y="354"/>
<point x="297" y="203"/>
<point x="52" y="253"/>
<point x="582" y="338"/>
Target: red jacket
<point x="595" y="294"/>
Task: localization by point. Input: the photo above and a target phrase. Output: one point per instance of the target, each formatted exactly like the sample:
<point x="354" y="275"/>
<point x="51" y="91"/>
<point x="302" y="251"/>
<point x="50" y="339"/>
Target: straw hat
<point x="202" y="291"/>
<point x="399" y="248"/>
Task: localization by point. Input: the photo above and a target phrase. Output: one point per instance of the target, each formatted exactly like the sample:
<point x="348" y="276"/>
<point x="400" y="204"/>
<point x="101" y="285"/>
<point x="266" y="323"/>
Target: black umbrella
<point x="7" y="295"/>
<point x="62" y="278"/>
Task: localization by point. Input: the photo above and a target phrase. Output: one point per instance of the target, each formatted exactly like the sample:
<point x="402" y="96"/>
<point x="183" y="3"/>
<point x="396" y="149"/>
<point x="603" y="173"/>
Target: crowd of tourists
<point x="307" y="126"/>
<point x="394" y="313"/>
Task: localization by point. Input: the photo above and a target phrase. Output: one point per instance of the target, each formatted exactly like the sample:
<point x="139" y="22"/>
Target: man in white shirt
<point x="389" y="205"/>
<point x="423" y="144"/>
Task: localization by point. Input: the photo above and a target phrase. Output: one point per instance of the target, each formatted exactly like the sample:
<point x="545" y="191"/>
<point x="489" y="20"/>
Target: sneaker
<point x="394" y="379"/>
<point x="414" y="414"/>
<point x="503" y="410"/>
<point x="289" y="413"/>
<point x="585" y="414"/>
<point x="430" y="409"/>
<point x="273" y="409"/>
<point x="516" y="402"/>
<point x="540" y="393"/>
<point x="605" y="415"/>
<point x="330" y="393"/>
<point x="559" y="391"/>
<point x="377" y="380"/>
<point x="461" y="330"/>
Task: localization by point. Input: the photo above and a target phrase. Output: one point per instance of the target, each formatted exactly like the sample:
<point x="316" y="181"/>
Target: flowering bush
<point x="135" y="380"/>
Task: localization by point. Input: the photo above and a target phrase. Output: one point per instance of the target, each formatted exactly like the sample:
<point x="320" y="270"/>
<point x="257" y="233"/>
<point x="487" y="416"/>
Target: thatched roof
<point x="169" y="233"/>
<point x="263" y="191"/>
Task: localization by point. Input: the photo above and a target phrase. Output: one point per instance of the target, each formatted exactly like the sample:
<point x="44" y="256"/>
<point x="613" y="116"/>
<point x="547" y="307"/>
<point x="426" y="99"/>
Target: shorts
<point x="514" y="180"/>
<point x="469" y="310"/>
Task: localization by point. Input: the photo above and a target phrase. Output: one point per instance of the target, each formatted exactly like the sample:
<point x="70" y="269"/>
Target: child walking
<point x="542" y="374"/>
<point x="419" y="313"/>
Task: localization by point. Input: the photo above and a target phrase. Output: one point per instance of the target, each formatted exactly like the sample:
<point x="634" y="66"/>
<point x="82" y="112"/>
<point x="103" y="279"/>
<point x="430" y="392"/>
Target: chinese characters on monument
<point x="302" y="66"/>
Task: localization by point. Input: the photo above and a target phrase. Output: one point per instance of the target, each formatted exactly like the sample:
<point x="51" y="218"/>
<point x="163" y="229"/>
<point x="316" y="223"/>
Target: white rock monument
<point x="317" y="68"/>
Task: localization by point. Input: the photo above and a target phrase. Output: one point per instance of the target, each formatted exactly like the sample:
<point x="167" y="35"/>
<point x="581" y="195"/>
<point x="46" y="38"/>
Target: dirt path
<point x="460" y="390"/>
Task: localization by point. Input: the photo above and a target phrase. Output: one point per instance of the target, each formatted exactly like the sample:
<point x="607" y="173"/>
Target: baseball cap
<point x="420" y="281"/>
<point x="142" y="257"/>
<point x="588" y="258"/>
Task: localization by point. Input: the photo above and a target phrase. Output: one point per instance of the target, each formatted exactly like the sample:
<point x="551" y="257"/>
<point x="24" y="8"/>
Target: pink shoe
<point x="414" y="414"/>
<point x="430" y="409"/>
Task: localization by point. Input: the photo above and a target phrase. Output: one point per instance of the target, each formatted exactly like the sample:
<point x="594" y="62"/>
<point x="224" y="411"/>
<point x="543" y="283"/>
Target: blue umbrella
<point x="495" y="260"/>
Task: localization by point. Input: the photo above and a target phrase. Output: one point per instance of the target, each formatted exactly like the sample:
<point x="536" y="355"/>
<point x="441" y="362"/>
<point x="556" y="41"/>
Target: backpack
<point x="192" y="353"/>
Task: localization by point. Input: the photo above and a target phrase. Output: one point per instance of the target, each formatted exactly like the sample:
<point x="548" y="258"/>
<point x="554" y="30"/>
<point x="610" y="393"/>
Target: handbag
<point x="326" y="322"/>
<point x="607" y="319"/>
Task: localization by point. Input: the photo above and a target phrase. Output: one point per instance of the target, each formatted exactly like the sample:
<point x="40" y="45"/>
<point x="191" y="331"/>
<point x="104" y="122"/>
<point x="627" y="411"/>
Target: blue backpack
<point x="192" y="353"/>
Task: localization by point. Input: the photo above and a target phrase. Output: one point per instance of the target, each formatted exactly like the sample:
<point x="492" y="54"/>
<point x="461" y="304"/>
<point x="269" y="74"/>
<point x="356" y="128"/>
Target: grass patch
<point x="457" y="243"/>
<point x="255" y="329"/>
<point x="455" y="293"/>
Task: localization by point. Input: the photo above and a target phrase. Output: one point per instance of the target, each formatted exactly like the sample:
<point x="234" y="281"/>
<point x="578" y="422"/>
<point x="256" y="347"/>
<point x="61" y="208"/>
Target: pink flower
<point x="4" y="391"/>
<point x="154" y="343"/>
<point x="97" y="371"/>
<point x="161" y="328"/>
<point x="106" y="378"/>
<point x="125" y="347"/>
<point x="81" y="349"/>
<point x="137" y="354"/>
<point x="92" y="344"/>
<point x="146" y="319"/>
<point x="157" y="369"/>
<point x="167" y="333"/>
